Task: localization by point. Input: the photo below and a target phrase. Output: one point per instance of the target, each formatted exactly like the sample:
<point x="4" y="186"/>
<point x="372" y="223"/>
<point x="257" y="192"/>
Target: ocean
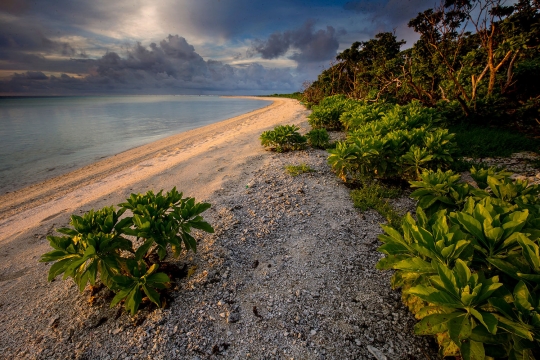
<point x="43" y="137"/>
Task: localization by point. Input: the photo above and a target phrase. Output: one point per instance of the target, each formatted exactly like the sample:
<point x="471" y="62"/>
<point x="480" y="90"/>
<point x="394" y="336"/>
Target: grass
<point x="461" y="165"/>
<point x="295" y="170"/>
<point x="375" y="196"/>
<point x="481" y="141"/>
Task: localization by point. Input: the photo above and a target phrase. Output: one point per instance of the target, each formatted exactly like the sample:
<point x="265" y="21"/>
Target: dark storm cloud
<point x="310" y="45"/>
<point x="23" y="38"/>
<point x="172" y="66"/>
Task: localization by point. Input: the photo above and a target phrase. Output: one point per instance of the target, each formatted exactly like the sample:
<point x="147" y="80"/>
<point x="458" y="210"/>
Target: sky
<point x="94" y="47"/>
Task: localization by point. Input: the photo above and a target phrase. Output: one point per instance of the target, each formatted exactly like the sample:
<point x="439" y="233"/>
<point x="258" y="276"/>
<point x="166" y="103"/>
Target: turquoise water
<point x="44" y="137"/>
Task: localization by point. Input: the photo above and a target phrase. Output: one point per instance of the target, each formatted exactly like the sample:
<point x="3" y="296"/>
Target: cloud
<point x="171" y="66"/>
<point x="395" y="11"/>
<point x="308" y="45"/>
<point x="30" y="39"/>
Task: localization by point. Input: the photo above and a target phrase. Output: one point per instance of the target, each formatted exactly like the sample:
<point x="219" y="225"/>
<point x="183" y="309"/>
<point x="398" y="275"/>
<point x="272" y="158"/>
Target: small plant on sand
<point x="295" y="170"/>
<point x="375" y="196"/>
<point x="318" y="138"/>
<point x="95" y="247"/>
<point x="283" y="138"/>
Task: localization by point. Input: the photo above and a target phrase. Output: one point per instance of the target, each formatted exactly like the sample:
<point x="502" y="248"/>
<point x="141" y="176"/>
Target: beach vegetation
<point x="283" y="138"/>
<point x="475" y="61"/>
<point x="374" y="195"/>
<point x="295" y="170"/>
<point x="326" y="114"/>
<point x="468" y="264"/>
<point x="467" y="260"/>
<point x="100" y="246"/>
<point x="318" y="138"/>
<point x="399" y="143"/>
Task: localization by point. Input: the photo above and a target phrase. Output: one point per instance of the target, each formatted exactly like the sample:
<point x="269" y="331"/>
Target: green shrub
<point x="318" y="138"/>
<point x="403" y="142"/>
<point x="327" y="113"/>
<point x="96" y="247"/>
<point x="283" y="138"/>
<point x="295" y="170"/>
<point x="469" y="266"/>
<point x="363" y="114"/>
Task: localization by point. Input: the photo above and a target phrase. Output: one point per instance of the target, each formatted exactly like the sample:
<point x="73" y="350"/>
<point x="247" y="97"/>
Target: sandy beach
<point x="288" y="274"/>
<point x="200" y="159"/>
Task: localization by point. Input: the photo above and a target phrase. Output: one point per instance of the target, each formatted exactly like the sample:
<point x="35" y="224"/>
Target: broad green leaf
<point x="470" y="224"/>
<point x="488" y="320"/>
<point x="389" y="261"/>
<point x="143" y="249"/>
<point x="523" y="299"/>
<point x="520" y="330"/>
<point x="434" y="296"/>
<point x="448" y="280"/>
<point x="472" y="350"/>
<point x="459" y="329"/>
<point x="415" y="264"/>
<point x="434" y="324"/>
<point x="120" y="296"/>
<point x="152" y="294"/>
<point x="157" y="278"/>
<point x="58" y="268"/>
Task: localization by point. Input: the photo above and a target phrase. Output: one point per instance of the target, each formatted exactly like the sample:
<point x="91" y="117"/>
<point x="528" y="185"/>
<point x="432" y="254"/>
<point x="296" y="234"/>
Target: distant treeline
<point x="476" y="59"/>
<point x="296" y="95"/>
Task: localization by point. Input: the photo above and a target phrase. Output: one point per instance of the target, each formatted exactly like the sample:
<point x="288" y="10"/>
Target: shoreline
<point x="41" y="192"/>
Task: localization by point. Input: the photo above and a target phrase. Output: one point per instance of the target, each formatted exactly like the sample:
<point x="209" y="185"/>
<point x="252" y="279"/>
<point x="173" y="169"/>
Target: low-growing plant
<point x="283" y="138"/>
<point x="469" y="266"/>
<point x="295" y="170"/>
<point x="328" y="112"/>
<point x="318" y="138"/>
<point x="437" y="190"/>
<point x="98" y="246"/>
<point x="400" y="143"/>
<point x="375" y="196"/>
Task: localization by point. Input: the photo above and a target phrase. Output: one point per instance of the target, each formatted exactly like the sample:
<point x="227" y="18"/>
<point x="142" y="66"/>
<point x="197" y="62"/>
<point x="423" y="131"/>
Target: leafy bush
<point x="318" y="138"/>
<point x="326" y="115"/>
<point x="295" y="170"/>
<point x="401" y="143"/>
<point x="469" y="266"/>
<point x="96" y="247"/>
<point x="283" y="138"/>
<point x="363" y="114"/>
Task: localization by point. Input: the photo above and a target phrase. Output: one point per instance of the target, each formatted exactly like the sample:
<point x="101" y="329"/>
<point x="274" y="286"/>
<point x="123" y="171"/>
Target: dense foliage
<point x="100" y="246"/>
<point x="390" y="141"/>
<point x="488" y="75"/>
<point x="469" y="265"/>
<point x="318" y="138"/>
<point x="283" y="138"/>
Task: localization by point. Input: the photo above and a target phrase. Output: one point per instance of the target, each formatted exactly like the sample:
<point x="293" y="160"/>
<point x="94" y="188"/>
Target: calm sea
<point x="44" y="137"/>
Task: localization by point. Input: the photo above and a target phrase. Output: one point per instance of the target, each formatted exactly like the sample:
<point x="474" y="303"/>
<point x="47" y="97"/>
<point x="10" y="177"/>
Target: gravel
<point x="288" y="274"/>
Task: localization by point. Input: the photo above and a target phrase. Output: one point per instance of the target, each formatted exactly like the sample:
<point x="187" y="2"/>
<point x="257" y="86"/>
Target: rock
<point x="378" y="354"/>
<point x="233" y="317"/>
<point x="54" y="322"/>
